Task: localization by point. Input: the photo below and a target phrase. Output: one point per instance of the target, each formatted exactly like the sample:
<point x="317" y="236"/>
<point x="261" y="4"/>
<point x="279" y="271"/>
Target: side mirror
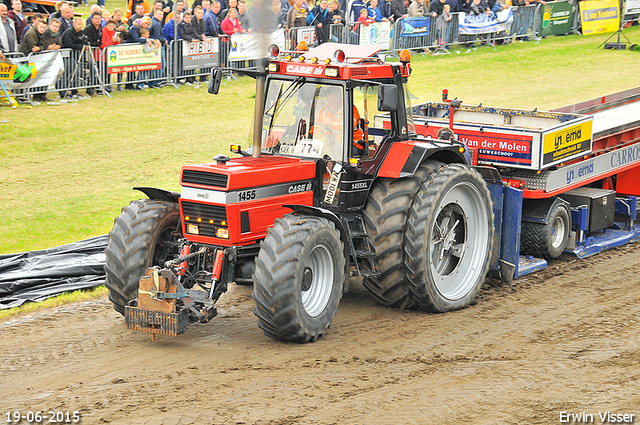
<point x="387" y="98"/>
<point x="214" y="81"/>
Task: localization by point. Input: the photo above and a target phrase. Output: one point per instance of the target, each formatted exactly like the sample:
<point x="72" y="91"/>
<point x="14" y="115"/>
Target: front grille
<point x="204" y="179"/>
<point x="206" y="212"/>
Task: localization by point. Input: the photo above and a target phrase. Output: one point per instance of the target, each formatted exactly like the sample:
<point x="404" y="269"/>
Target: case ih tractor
<point x="323" y="194"/>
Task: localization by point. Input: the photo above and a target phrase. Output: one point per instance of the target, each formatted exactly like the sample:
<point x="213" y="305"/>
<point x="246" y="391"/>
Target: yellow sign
<point x="7" y="71"/>
<point x="599" y="16"/>
<point x="567" y="142"/>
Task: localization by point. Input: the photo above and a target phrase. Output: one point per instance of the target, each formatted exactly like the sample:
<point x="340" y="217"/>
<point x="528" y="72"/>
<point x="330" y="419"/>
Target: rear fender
<point x="332" y="217"/>
<point x="403" y="158"/>
<point x="159" y="194"/>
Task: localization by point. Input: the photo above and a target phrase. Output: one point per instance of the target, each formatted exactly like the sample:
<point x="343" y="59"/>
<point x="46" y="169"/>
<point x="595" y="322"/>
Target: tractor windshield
<point x="304" y="119"/>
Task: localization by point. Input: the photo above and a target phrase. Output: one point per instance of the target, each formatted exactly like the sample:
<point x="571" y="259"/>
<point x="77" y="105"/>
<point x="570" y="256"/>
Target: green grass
<point x="66" y="170"/>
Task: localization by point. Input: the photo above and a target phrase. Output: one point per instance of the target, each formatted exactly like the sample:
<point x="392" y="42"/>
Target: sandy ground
<point x="564" y="340"/>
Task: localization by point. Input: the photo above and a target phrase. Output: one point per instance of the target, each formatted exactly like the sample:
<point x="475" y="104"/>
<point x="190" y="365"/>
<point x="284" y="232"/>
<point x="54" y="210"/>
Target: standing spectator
<point x="285" y="5"/>
<point x="211" y="22"/>
<point x="72" y="39"/>
<point x="58" y="6"/>
<point x="19" y="18"/>
<point x="275" y="9"/>
<point x="66" y="18"/>
<point x="297" y="16"/>
<point x="156" y="34"/>
<point x="242" y="15"/>
<point x="417" y="9"/>
<point x="94" y="32"/>
<point x="35" y="18"/>
<point x="337" y="15"/>
<point x="188" y="33"/>
<point x="131" y="7"/>
<point x="442" y="24"/>
<point x="179" y="12"/>
<point x="121" y="26"/>
<point x="233" y="4"/>
<point x="138" y="15"/>
<point x="356" y="7"/>
<point x="398" y="9"/>
<point x="261" y="18"/>
<point x="375" y="12"/>
<point x="52" y="37"/>
<point x="169" y="30"/>
<point x="93" y="9"/>
<point x="197" y="22"/>
<point x="109" y="36"/>
<point x="436" y="7"/>
<point x="319" y="16"/>
<point x="206" y="6"/>
<point x="230" y="25"/>
<point x="33" y="40"/>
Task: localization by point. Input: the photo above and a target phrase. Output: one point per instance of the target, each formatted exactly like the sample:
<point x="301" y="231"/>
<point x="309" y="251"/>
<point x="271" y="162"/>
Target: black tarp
<point x="38" y="275"/>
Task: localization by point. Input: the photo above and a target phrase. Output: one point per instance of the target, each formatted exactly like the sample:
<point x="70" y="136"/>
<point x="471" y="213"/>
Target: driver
<point x="330" y="118"/>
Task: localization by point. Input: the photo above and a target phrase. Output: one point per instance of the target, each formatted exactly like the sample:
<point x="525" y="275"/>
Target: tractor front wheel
<point x="144" y="235"/>
<point x="299" y="278"/>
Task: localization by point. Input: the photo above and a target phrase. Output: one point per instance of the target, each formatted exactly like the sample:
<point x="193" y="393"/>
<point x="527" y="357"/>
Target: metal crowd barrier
<point x="88" y="69"/>
<point x="526" y="24"/>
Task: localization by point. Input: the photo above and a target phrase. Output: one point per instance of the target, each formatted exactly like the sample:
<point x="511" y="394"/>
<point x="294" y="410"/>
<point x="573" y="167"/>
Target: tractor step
<point x="371" y="274"/>
<point x="364" y="254"/>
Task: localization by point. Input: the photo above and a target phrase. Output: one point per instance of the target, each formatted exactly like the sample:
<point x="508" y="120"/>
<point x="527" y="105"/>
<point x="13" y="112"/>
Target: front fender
<point x="159" y="194"/>
<point x="403" y="158"/>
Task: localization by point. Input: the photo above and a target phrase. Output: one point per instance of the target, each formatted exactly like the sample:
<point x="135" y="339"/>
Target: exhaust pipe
<point x="258" y="112"/>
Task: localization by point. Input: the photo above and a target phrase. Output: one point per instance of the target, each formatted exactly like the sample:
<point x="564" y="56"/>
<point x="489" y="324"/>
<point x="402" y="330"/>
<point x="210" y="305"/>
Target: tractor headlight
<point x="193" y="229"/>
<point x="222" y="233"/>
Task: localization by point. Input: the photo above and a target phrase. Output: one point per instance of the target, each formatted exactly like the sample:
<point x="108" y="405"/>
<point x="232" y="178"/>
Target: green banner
<point x="556" y="18"/>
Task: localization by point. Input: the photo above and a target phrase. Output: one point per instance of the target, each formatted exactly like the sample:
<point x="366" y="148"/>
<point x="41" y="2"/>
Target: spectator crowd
<point x="157" y="24"/>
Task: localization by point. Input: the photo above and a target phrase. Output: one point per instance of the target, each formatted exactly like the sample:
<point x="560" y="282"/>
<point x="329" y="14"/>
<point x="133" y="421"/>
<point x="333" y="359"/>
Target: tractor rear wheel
<point x="144" y="235"/>
<point x="385" y="218"/>
<point x="300" y="273"/>
<point x="546" y="240"/>
<point x="449" y="238"/>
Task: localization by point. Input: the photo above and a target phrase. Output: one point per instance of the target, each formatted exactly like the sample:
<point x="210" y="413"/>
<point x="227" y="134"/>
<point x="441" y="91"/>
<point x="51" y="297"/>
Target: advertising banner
<point x="599" y="16"/>
<point x="132" y="58"/>
<point x="254" y="46"/>
<point x="306" y="34"/>
<point x="632" y="7"/>
<point x="200" y="54"/>
<point x="376" y="35"/>
<point x="483" y="24"/>
<point x="35" y="70"/>
<point x="415" y="27"/>
<point x="556" y="18"/>
<point x="567" y="142"/>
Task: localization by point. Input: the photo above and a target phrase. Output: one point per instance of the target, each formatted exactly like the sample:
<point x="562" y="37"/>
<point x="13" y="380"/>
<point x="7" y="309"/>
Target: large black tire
<point x="299" y="278"/>
<point x="142" y="236"/>
<point x="546" y="240"/>
<point x="449" y="238"/>
<point x="385" y="220"/>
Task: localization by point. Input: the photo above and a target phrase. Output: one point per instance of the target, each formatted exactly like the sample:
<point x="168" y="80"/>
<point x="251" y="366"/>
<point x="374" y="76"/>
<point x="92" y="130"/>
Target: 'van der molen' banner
<point x="132" y="58"/>
<point x="556" y="18"/>
<point x="201" y="54"/>
<point x="599" y="16"/>
<point x="485" y="24"/>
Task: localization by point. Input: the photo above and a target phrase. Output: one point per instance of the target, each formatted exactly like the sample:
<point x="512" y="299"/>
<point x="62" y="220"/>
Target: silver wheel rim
<point x="557" y="232"/>
<point x="459" y="241"/>
<point x="317" y="282"/>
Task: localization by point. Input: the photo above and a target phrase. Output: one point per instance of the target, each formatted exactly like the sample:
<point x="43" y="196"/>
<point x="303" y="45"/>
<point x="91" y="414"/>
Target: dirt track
<point x="566" y="339"/>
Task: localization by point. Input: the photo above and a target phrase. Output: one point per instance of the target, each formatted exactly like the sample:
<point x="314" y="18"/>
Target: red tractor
<point x="323" y="194"/>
